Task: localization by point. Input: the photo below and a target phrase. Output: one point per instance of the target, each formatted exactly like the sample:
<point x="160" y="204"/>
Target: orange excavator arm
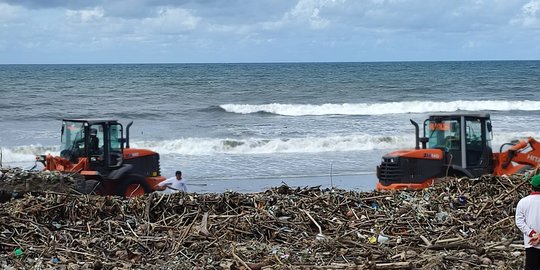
<point x="519" y="156"/>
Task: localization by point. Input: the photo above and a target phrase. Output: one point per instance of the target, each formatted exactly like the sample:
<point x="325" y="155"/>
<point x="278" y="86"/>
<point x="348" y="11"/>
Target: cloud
<point x="433" y="15"/>
<point x="39" y="4"/>
<point x="309" y="11"/>
<point x="171" y="20"/>
<point x="9" y="13"/>
<point x="268" y="29"/>
<point x="530" y="15"/>
<point x="86" y="15"/>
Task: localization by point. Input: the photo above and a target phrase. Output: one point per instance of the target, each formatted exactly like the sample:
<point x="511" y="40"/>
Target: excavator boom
<point x="522" y="155"/>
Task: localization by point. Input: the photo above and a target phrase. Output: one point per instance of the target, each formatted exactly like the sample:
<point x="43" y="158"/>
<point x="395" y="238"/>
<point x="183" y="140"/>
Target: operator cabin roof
<point x="476" y="115"/>
<point x="92" y="121"/>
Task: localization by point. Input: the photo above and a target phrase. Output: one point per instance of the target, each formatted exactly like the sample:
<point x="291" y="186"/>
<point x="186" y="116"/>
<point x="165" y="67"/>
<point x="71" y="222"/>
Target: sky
<point x="238" y="31"/>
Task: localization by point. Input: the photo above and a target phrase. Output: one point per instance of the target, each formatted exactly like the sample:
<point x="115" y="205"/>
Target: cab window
<point x="443" y="134"/>
<point x="474" y="134"/>
<point x="115" y="145"/>
<point x="72" y="135"/>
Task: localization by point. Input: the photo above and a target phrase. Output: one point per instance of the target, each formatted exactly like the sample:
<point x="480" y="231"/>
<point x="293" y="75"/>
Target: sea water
<point x="247" y="127"/>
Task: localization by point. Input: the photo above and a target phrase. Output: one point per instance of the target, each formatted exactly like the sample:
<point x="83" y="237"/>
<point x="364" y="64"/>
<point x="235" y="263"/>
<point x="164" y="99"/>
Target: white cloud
<point x="171" y="20"/>
<point x="270" y="29"/>
<point x="530" y="15"/>
<point x="309" y="10"/>
<point x="85" y="15"/>
<point x="9" y="13"/>
<point x="531" y="8"/>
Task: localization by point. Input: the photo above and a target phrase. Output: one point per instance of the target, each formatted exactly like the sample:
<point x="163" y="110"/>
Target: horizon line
<point x="276" y="62"/>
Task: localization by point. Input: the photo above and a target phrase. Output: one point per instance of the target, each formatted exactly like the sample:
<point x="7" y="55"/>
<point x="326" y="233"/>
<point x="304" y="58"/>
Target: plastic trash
<point x="55" y="260"/>
<point x="18" y="252"/>
<point x="56" y="225"/>
<point x="441" y="216"/>
<point x="381" y="239"/>
<point x="372" y="240"/>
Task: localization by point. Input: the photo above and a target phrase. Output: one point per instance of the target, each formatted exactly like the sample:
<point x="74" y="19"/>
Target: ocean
<point x="246" y="127"/>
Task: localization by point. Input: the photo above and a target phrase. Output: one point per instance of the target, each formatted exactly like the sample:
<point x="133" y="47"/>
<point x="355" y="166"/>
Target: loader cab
<point x="465" y="140"/>
<point x="99" y="141"/>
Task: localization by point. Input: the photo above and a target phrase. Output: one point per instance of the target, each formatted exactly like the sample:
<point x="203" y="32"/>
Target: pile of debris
<point x="457" y="224"/>
<point x="15" y="182"/>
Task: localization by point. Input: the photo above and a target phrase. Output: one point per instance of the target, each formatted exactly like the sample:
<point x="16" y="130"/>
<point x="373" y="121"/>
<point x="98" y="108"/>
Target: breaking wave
<point x="383" y="108"/>
<point x="211" y="146"/>
<point x="24" y="155"/>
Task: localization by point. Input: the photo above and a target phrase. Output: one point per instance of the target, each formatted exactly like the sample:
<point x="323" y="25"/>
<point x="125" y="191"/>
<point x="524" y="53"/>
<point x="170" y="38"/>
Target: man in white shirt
<point x="173" y="184"/>
<point x="528" y="221"/>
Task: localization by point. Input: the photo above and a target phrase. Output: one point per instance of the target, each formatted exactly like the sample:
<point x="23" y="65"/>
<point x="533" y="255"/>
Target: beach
<point x="349" y="182"/>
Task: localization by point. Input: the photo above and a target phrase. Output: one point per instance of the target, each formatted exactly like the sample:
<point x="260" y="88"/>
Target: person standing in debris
<point x="528" y="221"/>
<point x="173" y="184"/>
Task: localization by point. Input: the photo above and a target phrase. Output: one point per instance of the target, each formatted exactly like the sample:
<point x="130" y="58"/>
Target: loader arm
<point x="513" y="160"/>
<point x="54" y="163"/>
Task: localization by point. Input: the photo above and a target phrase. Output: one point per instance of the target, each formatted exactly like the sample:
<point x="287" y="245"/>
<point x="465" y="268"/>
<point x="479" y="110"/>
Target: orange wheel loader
<point x="98" y="150"/>
<point x="454" y="145"/>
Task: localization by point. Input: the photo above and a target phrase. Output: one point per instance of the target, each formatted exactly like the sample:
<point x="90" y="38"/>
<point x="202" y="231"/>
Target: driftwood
<point x="457" y="224"/>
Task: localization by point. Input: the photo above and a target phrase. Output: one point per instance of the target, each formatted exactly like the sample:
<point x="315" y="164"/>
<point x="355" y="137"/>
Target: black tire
<point x="87" y="187"/>
<point x="132" y="179"/>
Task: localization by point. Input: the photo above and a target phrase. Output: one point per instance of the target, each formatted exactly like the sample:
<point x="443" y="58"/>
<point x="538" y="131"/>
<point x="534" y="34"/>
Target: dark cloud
<point x="225" y="11"/>
<point x="40" y="4"/>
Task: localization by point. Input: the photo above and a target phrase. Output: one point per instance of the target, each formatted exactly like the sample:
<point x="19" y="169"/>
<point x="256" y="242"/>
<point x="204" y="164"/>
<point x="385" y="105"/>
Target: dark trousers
<point x="532" y="259"/>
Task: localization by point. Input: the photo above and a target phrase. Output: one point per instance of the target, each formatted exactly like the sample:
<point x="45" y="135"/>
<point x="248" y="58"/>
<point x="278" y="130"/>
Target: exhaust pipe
<point x="417" y="134"/>
<point x="127" y="133"/>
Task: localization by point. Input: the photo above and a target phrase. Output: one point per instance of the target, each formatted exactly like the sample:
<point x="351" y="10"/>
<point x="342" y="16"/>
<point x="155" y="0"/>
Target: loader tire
<point x="88" y="187"/>
<point x="132" y="179"/>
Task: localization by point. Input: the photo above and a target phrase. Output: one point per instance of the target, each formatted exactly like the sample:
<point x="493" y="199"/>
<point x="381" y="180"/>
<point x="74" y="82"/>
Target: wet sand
<point x="359" y="182"/>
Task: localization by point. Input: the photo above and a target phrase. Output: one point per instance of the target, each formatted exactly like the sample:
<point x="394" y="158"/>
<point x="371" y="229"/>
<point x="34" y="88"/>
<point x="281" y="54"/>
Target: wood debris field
<point x="456" y="224"/>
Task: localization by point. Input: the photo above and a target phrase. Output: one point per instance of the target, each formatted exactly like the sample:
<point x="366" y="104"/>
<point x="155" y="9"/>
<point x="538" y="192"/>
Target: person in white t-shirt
<point x="528" y="221"/>
<point x="173" y="184"/>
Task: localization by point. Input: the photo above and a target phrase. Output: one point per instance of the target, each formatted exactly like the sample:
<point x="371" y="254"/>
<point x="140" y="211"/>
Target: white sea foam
<point x="208" y="146"/>
<point x="25" y="155"/>
<point x="212" y="146"/>
<point x="361" y="142"/>
<point x="383" y="108"/>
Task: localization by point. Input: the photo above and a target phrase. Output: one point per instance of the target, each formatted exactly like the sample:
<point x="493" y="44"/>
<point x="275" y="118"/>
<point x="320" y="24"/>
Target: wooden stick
<point x="240" y="260"/>
<point x="312" y="219"/>
<point x="203" y="229"/>
<point x="448" y="240"/>
<point x="394" y="265"/>
<point x="428" y="243"/>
